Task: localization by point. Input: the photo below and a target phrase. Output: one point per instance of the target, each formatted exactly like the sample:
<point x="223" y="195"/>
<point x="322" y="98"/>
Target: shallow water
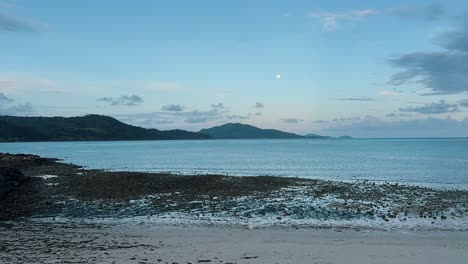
<point x="434" y="162"/>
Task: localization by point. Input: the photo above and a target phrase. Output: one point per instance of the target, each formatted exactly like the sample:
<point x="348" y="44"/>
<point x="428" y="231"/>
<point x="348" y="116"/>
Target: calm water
<point x="421" y="161"/>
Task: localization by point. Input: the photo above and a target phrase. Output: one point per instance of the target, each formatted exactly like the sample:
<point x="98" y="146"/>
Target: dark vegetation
<point x="83" y="128"/>
<point x="243" y="131"/>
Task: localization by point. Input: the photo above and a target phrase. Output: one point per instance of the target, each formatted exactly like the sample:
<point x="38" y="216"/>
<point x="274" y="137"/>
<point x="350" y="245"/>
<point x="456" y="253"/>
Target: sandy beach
<point x="150" y="243"/>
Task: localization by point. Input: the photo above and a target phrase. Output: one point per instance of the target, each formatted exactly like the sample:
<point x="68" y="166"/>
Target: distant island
<point x="315" y="136"/>
<point x="83" y="128"/>
<point x="105" y="128"/>
<point x="243" y="131"/>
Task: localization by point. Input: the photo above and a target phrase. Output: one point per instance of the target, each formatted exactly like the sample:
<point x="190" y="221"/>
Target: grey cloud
<point x="258" y="114"/>
<point x="13" y="23"/>
<point x="397" y="115"/>
<point x="355" y="98"/>
<point x="346" y="119"/>
<point x="440" y="107"/>
<point x="218" y="106"/>
<point x="291" y="120"/>
<point x="373" y="127"/>
<point x="7" y="107"/>
<point x="5" y="98"/>
<point x="155" y="119"/>
<point x="173" y="108"/>
<point x="259" y="105"/>
<point x="218" y="113"/>
<point x="441" y="72"/>
<point x="319" y="122"/>
<point x="464" y="103"/>
<point x="18" y="109"/>
<point x="126" y="100"/>
<point x="429" y="13"/>
<point x="24" y="108"/>
<point x="239" y="117"/>
<point x="105" y="99"/>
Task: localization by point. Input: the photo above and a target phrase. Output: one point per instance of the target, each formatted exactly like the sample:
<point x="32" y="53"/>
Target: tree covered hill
<point x="243" y="131"/>
<point x="82" y="128"/>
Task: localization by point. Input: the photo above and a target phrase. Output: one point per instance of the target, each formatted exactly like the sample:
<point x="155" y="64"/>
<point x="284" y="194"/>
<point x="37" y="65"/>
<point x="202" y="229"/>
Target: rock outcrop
<point x="10" y="179"/>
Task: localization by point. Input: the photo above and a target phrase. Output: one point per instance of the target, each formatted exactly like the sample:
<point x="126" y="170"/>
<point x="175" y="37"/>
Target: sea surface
<point x="430" y="162"/>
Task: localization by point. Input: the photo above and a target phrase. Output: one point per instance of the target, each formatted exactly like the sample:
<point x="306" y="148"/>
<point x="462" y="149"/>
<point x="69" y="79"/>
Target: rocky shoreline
<point x="52" y="189"/>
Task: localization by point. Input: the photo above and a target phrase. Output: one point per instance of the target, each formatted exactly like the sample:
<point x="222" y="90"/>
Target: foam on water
<point x="182" y="219"/>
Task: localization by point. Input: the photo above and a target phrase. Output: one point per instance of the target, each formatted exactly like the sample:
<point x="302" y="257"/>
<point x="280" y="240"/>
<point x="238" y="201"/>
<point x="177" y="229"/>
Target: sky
<point x="335" y="67"/>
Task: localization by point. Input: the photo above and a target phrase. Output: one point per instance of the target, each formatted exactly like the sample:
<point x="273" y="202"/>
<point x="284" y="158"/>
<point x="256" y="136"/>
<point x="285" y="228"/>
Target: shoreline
<point x="54" y="189"/>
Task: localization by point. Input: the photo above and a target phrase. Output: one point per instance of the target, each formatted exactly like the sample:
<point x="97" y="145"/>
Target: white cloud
<point x="332" y="21"/>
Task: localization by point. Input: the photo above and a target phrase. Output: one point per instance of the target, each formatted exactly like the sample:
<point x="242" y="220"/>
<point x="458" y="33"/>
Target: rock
<point x="443" y="217"/>
<point x="23" y="160"/>
<point x="10" y="178"/>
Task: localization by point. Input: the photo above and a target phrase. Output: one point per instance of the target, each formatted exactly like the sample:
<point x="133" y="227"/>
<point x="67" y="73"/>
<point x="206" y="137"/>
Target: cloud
<point x="430" y="12"/>
<point x="217" y="107"/>
<point x="291" y="120"/>
<point x="173" y="108"/>
<point x="237" y="117"/>
<point x="346" y="119"/>
<point x="320" y="122"/>
<point x="331" y="21"/>
<point x="105" y="99"/>
<point x="8" y="108"/>
<point x="440" y="107"/>
<point x="5" y="98"/>
<point x="355" y="98"/>
<point x="373" y="127"/>
<point x="191" y="120"/>
<point x="464" y="103"/>
<point x="126" y="100"/>
<point x="397" y="115"/>
<point x="440" y="72"/>
<point x="13" y="23"/>
<point x="18" y="109"/>
<point x="259" y="105"/>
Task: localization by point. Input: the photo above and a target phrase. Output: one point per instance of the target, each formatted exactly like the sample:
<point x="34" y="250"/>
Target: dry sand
<point x="151" y="243"/>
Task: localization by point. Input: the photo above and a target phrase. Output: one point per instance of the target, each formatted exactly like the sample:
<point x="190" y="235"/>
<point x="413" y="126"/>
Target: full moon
<point x="278" y="76"/>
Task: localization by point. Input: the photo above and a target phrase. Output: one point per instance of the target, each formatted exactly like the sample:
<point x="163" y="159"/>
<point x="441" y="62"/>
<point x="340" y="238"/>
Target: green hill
<point x="83" y="128"/>
<point x="243" y="131"/>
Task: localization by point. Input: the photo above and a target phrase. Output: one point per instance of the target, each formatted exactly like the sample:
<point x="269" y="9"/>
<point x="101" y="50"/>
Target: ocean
<point x="428" y="162"/>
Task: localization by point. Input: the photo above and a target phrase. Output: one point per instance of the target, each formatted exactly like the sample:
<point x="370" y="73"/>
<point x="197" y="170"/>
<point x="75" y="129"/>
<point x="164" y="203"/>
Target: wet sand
<point x="123" y="243"/>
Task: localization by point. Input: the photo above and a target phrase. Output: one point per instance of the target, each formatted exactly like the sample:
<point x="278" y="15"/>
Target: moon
<point x="278" y="76"/>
